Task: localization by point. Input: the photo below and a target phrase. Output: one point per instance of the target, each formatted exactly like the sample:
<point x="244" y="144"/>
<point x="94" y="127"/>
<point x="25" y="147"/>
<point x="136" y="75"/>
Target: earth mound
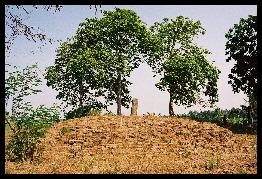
<point x="148" y="144"/>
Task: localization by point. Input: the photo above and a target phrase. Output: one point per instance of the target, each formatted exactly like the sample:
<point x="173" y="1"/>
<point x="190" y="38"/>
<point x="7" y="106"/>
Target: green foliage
<point x="95" y="112"/>
<point x="30" y="127"/>
<point x="212" y="164"/>
<point x="28" y="124"/>
<point x="20" y="83"/>
<point x="210" y="116"/>
<point x="98" y="59"/>
<point x="242" y="171"/>
<point x="236" y="117"/>
<point x="84" y="111"/>
<point x="77" y="78"/>
<point x="171" y="37"/>
<point x="65" y="130"/>
<point x="241" y="46"/>
<point x="109" y="113"/>
<point x="183" y="67"/>
<point x="89" y="164"/>
<point x="7" y="128"/>
<point x="186" y="152"/>
<point x="123" y="34"/>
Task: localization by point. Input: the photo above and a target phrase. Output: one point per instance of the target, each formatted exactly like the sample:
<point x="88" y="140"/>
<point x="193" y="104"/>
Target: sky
<point x="216" y="19"/>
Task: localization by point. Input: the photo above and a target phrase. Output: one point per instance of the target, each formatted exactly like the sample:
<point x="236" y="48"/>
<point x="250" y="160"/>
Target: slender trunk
<point x="118" y="94"/>
<point x="9" y="124"/>
<point x="81" y="92"/>
<point x="81" y="101"/>
<point x="249" y="112"/>
<point x="171" y="110"/>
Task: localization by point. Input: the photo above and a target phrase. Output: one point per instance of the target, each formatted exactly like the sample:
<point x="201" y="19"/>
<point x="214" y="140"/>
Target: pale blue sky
<point x="215" y="19"/>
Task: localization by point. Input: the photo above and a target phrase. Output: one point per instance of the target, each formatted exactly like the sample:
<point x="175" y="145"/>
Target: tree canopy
<point x="182" y="65"/>
<point x="99" y="58"/>
<point x="124" y="35"/>
<point x="76" y="75"/>
<point x="241" y="46"/>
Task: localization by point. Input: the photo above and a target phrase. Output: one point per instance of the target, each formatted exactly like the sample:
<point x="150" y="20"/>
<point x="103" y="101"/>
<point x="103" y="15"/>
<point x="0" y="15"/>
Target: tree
<point x="105" y="51"/>
<point x="184" y="69"/>
<point x="21" y="83"/>
<point x="124" y="35"/>
<point x="16" y="24"/>
<point x="27" y="124"/>
<point x="241" y="46"/>
<point x="77" y="75"/>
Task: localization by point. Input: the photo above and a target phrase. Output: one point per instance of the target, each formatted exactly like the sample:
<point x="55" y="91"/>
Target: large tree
<point x="241" y="46"/>
<point x="124" y="35"/>
<point x="77" y="75"/>
<point x="104" y="51"/>
<point x="182" y="65"/>
<point x="119" y="34"/>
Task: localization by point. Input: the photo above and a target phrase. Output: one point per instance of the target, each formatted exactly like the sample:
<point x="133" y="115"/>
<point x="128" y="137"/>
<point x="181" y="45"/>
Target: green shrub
<point x="109" y="113"/>
<point x="212" y="164"/>
<point x="7" y="128"/>
<point x="94" y="112"/>
<point x="65" y="130"/>
<point x="236" y="116"/>
<point x="186" y="152"/>
<point x="242" y="171"/>
<point x="86" y="110"/>
<point x="30" y="127"/>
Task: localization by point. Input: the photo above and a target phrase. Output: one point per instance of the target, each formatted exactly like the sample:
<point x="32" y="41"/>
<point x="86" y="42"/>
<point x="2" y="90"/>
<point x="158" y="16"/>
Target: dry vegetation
<point x="141" y="145"/>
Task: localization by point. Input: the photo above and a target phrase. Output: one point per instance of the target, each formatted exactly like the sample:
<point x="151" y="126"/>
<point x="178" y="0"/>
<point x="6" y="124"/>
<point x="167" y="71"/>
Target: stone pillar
<point x="134" y="107"/>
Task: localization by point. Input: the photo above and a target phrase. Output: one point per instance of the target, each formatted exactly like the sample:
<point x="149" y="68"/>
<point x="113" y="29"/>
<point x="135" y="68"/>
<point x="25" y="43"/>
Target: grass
<point x="89" y="164"/>
<point x="212" y="164"/>
<point x="186" y="152"/>
<point x="242" y="171"/>
<point x="7" y="128"/>
<point x="65" y="130"/>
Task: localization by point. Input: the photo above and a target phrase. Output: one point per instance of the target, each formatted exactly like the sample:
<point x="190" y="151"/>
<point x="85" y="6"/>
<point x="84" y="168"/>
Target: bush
<point x="86" y="110"/>
<point x="237" y="117"/>
<point x="109" y="113"/>
<point x="29" y="127"/>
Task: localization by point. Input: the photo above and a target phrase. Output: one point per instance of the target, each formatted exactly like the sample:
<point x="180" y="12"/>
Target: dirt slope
<point x="141" y="145"/>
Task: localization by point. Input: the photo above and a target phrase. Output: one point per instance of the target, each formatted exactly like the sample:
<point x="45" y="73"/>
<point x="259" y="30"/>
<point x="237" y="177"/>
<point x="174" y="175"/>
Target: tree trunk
<point x="250" y="111"/>
<point x="81" y="94"/>
<point x="171" y="110"/>
<point x="249" y="114"/>
<point x="80" y="102"/>
<point x="118" y="94"/>
<point x="9" y="124"/>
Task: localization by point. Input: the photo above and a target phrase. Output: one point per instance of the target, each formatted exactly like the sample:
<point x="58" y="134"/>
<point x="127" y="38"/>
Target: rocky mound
<point x="141" y="145"/>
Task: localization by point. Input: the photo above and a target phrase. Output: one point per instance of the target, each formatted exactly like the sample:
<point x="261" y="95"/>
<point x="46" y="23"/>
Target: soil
<point x="148" y="144"/>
